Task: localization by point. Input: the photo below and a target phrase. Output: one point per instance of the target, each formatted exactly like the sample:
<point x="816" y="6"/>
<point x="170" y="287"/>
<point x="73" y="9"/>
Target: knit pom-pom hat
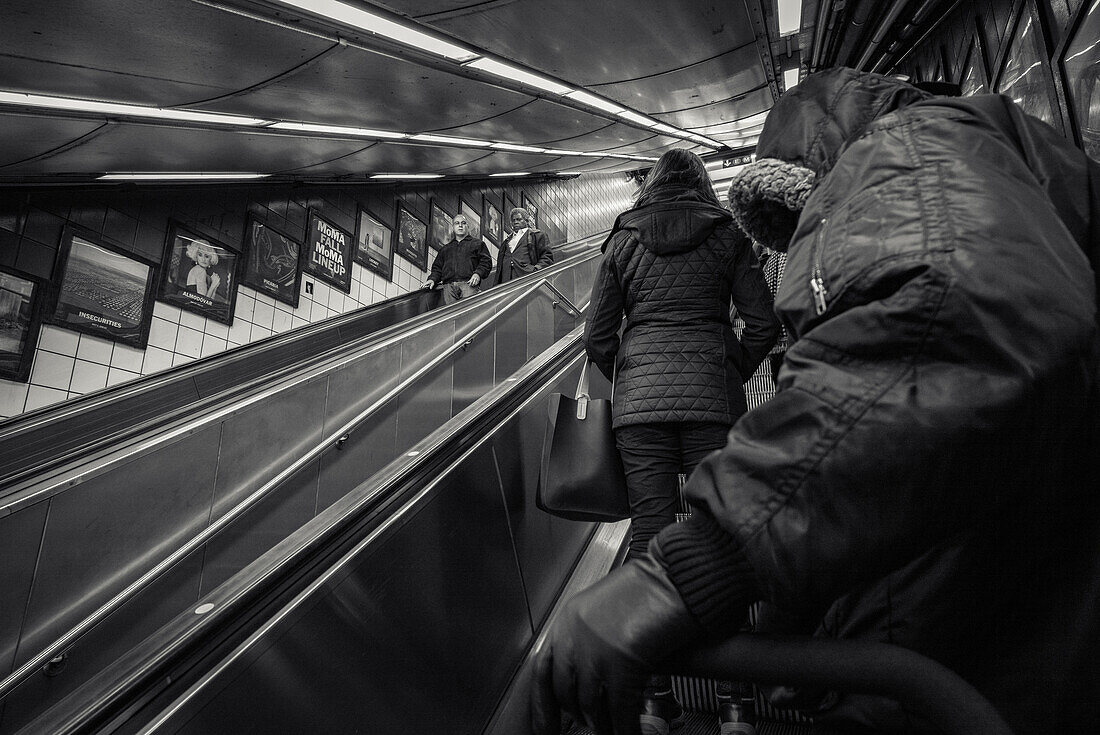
<point x="766" y="198"/>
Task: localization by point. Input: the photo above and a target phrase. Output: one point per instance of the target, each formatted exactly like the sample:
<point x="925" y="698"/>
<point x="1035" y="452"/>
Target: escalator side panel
<point x="367" y="450"/>
<point x="256" y="441"/>
<point x="511" y="342"/>
<point x="102" y="532"/>
<point x="271" y="520"/>
<point x="356" y="385"/>
<point x="140" y="617"/>
<point x="425" y="409"/>
<point x="540" y="326"/>
<point x="20" y="534"/>
<point x="420" y="637"/>
<point x="473" y="373"/>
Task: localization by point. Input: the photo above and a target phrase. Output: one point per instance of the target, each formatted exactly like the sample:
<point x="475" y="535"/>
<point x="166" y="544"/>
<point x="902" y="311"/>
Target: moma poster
<point x="328" y="253"/>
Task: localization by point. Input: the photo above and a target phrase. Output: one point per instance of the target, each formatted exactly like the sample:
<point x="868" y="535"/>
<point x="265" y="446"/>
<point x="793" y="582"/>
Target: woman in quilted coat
<point x="672" y="265"/>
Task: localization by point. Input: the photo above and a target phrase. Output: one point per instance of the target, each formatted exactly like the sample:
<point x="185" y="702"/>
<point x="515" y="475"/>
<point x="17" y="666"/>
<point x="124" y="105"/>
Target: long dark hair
<point x="678" y="167"/>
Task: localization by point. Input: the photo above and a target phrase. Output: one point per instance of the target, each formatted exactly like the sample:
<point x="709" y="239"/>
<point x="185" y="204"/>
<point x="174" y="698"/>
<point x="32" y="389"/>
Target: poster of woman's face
<point x="103" y="290"/>
<point x="473" y="218"/>
<point x="412" y="238"/>
<point x="271" y="266"/>
<point x="373" y="249"/>
<point x="19" y="314"/>
<point x="492" y="222"/>
<point x="200" y="274"/>
<point x="532" y="211"/>
<point x="442" y="227"/>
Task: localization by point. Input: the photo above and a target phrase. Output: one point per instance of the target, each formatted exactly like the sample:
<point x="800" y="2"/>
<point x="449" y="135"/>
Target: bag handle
<point x="582" y="392"/>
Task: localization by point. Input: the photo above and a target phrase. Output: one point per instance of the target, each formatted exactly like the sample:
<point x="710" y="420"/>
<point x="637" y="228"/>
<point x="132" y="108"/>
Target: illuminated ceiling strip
<point x="178" y="176"/>
<point x="374" y="23"/>
<point x="117" y="108"/>
<point x="508" y="71"/>
<point x="790" y="16"/>
<point x="517" y="173"/>
<point x="337" y="130"/>
<point x="407" y="176"/>
<point x="516" y="147"/>
<point x="634" y="117"/>
<point x="448" y="140"/>
<point x="587" y="98"/>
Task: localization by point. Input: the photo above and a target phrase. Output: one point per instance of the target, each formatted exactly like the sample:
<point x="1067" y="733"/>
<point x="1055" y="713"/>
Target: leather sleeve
<point x="543" y="255"/>
<point x="484" y="261"/>
<point x="753" y="299"/>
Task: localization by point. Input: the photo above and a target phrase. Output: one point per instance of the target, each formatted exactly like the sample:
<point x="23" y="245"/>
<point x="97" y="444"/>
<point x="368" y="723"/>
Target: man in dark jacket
<point x="461" y="264"/>
<point x="926" y="473"/>
<point x="525" y="250"/>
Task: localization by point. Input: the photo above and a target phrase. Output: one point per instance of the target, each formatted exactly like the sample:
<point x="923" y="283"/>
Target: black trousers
<point x="654" y="455"/>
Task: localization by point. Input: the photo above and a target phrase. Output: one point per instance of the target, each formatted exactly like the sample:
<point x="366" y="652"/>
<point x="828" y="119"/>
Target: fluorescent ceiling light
<point x="337" y="130"/>
<point x="790" y="78"/>
<point x="636" y="118"/>
<point x="579" y="95"/>
<point x="177" y="176"/>
<point x="448" y="140"/>
<point x="507" y="71"/>
<point x="518" y="173"/>
<point x="118" y="108"/>
<point x="517" y="148"/>
<point x="668" y="129"/>
<point x="407" y="176"/>
<point x="374" y="23"/>
<point x="790" y="16"/>
<point x="556" y="152"/>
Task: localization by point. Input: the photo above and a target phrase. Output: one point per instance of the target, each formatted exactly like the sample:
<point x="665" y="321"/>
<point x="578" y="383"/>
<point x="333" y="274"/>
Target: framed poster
<point x="442" y="224"/>
<point x="271" y="262"/>
<point x="328" y="252"/>
<point x="1023" y="74"/>
<point x="200" y="274"/>
<point x="373" y="246"/>
<point x="473" y="217"/>
<point x="412" y="237"/>
<point x="491" y="220"/>
<point x="19" y="319"/>
<point x="1079" y="62"/>
<point x="532" y="210"/>
<point x="102" y="290"/>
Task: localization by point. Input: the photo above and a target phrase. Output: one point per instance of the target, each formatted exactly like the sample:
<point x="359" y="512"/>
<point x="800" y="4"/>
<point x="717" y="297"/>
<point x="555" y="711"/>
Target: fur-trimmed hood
<point x="804" y="134"/>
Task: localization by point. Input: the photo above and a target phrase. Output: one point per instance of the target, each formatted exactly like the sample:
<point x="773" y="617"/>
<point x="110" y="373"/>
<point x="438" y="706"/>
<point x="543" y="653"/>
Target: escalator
<point x="103" y="548"/>
<point x="414" y="603"/>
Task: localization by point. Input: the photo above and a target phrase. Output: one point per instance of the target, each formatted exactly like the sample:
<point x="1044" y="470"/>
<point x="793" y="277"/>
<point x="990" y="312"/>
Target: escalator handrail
<point x="74" y="634"/>
<point x="919" y="683"/>
<point x="416" y="467"/>
<point x="13" y="498"/>
<point x="10" y="431"/>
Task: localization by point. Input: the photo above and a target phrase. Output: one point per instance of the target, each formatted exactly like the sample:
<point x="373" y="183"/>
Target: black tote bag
<point x="582" y="475"/>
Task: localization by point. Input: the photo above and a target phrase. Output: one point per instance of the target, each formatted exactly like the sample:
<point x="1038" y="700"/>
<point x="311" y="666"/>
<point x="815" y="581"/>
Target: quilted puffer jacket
<point x="673" y="266"/>
<point x="926" y="473"/>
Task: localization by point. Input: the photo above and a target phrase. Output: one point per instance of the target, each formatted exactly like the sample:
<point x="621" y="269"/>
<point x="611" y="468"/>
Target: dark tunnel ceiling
<point x="704" y="67"/>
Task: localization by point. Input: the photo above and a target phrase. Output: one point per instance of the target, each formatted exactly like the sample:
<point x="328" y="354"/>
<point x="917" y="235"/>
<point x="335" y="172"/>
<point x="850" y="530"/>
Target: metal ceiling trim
<point x="755" y="10"/>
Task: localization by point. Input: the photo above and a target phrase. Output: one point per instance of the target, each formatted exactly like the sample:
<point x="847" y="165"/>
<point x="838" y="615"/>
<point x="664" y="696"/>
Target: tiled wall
<point x="68" y="364"/>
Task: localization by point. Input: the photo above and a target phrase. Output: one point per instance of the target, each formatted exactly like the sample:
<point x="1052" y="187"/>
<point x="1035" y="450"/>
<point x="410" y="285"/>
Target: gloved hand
<point x="604" y="645"/>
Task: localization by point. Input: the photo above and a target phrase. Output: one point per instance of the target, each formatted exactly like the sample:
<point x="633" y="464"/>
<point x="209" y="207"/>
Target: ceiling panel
<point x="704" y="83"/>
<point x="135" y="147"/>
<point x="532" y="124"/>
<point x="394" y="158"/>
<point x="350" y="86"/>
<point x="617" y="41"/>
<point x="499" y="162"/>
<point x="720" y="112"/>
<point x="610" y="137"/>
<point x="156" y="53"/>
<point x="23" y="137"/>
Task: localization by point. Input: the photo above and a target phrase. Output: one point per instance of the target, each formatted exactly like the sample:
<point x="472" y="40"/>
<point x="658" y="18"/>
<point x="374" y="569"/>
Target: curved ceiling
<point x="706" y="68"/>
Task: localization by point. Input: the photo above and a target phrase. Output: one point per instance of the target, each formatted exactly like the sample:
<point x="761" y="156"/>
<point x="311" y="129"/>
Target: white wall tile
<point x="189" y="342"/>
<point x="217" y="329"/>
<point x="192" y="320"/>
<point x="181" y="359"/>
<point x="282" y="321"/>
<point x="259" y="332"/>
<point x="52" y="371"/>
<point x="156" y="360"/>
<point x="95" y="349"/>
<point x="13" y="397"/>
<point x="162" y="333"/>
<point x="37" y="396"/>
<point x="212" y="345"/>
<point x="167" y="312"/>
<point x="117" y="376"/>
<point x="246" y="304"/>
<point x="240" y="331"/>
<point x="88" y="376"/>
<point x="56" y="339"/>
<point x="127" y="358"/>
<point x="263" y="315"/>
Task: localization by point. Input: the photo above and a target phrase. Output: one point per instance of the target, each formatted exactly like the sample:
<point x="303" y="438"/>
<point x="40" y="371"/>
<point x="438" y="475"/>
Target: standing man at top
<point x="461" y="264"/>
<point x="525" y="251"/>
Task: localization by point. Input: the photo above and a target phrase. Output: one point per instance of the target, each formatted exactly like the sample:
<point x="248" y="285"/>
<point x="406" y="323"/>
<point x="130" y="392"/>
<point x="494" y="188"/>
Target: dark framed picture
<point x="200" y="274"/>
<point x="373" y="245"/>
<point x="271" y="262"/>
<point x="102" y="290"/>
<point x="974" y="75"/>
<point x="441" y="227"/>
<point x="328" y="252"/>
<point x="1021" y="71"/>
<point x="1078" y="59"/>
<point x="491" y="220"/>
<point x="412" y="237"/>
<point x="20" y="316"/>
<point x="473" y="217"/>
<point x="532" y="211"/>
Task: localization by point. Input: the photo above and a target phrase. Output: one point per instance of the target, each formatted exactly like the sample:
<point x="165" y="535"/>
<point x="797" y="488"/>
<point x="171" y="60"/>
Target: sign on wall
<point x="200" y="274"/>
<point x="272" y="262"/>
<point x="328" y="252"/>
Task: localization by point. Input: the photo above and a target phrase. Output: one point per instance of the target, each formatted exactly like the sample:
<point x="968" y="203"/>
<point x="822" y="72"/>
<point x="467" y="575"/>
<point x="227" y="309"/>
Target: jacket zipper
<point x="817" y="282"/>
